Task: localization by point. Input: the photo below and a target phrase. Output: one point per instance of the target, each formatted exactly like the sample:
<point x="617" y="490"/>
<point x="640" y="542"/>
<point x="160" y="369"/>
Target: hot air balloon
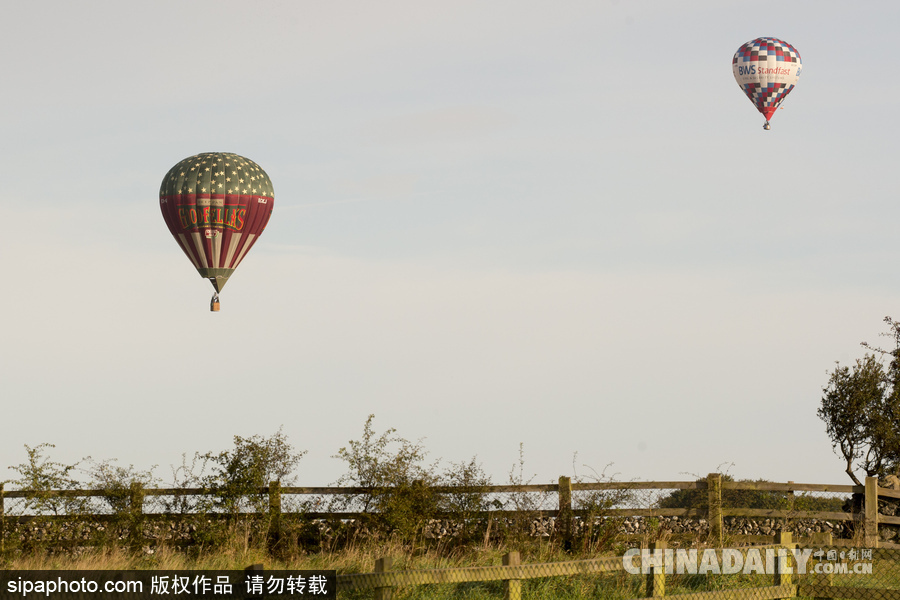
<point x="767" y="70"/>
<point x="216" y="204"/>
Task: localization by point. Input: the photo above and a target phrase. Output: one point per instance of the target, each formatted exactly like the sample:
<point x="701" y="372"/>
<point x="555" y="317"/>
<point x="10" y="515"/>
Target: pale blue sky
<point x="558" y="224"/>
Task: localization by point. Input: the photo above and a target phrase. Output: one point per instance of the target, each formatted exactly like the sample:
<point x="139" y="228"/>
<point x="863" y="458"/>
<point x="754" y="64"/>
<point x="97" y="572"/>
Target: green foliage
<point x="471" y="481"/>
<point x="117" y="482"/>
<point x="861" y="410"/>
<point x="399" y="499"/>
<point x="767" y="499"/>
<point x="515" y="528"/>
<point x="520" y="501"/>
<point x="469" y="497"/>
<point x="40" y="474"/>
<point x="188" y="475"/>
<point x="254" y="462"/>
<point x="600" y="526"/>
<point x="400" y="496"/>
<point x="46" y="478"/>
<point x="234" y="510"/>
<point x="598" y="502"/>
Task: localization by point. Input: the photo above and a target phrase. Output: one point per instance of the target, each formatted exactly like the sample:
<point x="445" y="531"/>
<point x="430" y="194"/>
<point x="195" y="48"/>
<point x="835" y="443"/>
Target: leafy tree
<point x="861" y="411"/>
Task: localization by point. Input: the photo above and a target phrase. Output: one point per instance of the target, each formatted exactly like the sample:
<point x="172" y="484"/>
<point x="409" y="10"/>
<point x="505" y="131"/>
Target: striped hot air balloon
<point x="766" y="69"/>
<point x="216" y="204"/>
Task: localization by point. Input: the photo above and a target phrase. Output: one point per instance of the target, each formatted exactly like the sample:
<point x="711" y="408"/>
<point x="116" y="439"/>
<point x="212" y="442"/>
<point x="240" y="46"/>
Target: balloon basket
<point x="214" y="303"/>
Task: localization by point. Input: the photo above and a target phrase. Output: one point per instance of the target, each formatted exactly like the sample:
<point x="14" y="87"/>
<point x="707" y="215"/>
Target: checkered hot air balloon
<point x="766" y="69"/>
<point x="216" y="205"/>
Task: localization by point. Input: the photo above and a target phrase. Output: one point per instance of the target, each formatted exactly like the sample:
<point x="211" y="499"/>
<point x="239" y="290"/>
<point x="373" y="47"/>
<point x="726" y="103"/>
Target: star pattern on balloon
<point x="211" y="173"/>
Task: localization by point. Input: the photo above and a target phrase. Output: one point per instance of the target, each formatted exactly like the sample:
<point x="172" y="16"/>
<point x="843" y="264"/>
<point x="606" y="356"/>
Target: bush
<point x="468" y="499"/>
<point x="768" y="499"/>
<point x="599" y="526"/>
<point x="117" y="482"/>
<point x="42" y="532"/>
<point x="254" y="462"/>
<point x="400" y="499"/>
<point x="40" y="474"/>
<point x="234" y="509"/>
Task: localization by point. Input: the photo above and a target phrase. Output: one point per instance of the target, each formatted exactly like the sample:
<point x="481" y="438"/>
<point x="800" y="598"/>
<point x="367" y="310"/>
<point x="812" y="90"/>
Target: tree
<point x="861" y="411"/>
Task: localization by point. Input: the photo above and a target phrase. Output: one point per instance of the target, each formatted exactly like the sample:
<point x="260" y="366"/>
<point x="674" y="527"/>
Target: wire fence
<point x="656" y="572"/>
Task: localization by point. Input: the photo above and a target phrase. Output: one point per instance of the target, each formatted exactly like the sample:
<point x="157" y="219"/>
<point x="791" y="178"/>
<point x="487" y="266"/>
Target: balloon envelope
<point x="766" y="69"/>
<point x="216" y="205"/>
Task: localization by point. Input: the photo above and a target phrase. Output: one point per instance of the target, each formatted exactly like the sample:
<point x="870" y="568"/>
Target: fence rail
<point x="513" y="572"/>
<point x="487" y="489"/>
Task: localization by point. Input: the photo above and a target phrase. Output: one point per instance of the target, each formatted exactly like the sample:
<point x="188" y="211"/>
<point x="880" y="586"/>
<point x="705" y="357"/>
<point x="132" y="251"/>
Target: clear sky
<point x="558" y="224"/>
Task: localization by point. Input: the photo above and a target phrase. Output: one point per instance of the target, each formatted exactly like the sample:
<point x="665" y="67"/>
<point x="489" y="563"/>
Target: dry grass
<point x="237" y="553"/>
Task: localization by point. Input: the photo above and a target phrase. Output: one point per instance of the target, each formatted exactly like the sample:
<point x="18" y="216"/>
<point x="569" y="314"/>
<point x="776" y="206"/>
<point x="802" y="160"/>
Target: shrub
<point x="599" y="526"/>
<point x="468" y="499"/>
<point x="40" y="474"/>
<point x="770" y="499"/>
<point x="117" y="482"/>
<point x="254" y="462"/>
<point x="400" y="499"/>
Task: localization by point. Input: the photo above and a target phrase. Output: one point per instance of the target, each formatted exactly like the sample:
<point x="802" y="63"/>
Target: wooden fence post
<point x="870" y="525"/>
<point x="275" y="499"/>
<point x="383" y="565"/>
<point x="565" y="518"/>
<point x="716" y="525"/>
<point x="2" y="520"/>
<point x="274" y="534"/>
<point x="782" y="573"/>
<point x="512" y="588"/>
<point x="829" y="577"/>
<point x="136" y="516"/>
<point x="792" y="501"/>
<point x="824" y="538"/>
<point x="656" y="576"/>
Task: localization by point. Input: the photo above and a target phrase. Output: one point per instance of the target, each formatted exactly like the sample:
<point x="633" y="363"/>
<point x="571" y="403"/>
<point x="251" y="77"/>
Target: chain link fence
<point x="749" y="573"/>
<point x="706" y="574"/>
<point x="853" y="573"/>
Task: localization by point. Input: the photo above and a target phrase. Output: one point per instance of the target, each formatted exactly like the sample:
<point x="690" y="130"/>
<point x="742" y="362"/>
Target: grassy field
<point x="236" y="551"/>
<point x="361" y="558"/>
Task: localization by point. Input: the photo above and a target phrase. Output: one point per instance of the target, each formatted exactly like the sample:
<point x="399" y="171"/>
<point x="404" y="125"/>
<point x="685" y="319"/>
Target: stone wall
<point x="681" y="526"/>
